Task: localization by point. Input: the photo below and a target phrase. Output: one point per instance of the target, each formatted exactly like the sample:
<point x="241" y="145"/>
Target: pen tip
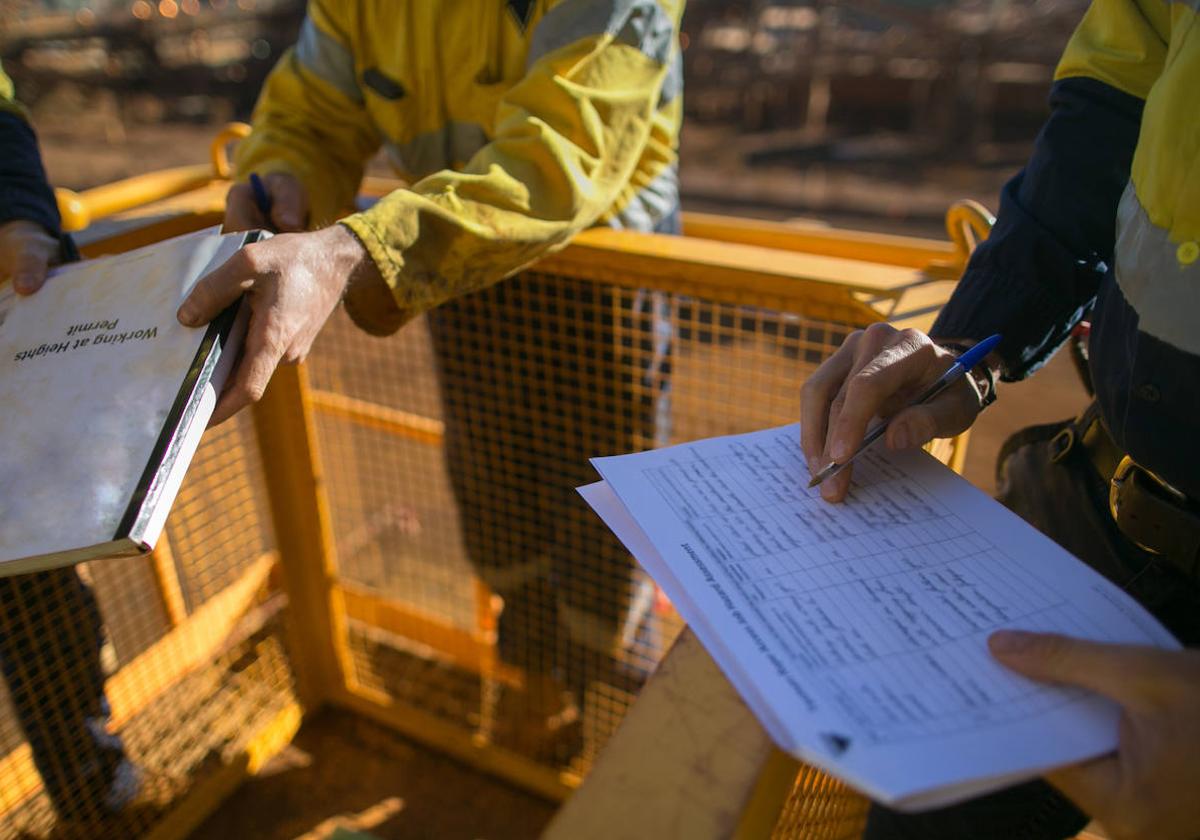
<point x="814" y="481"/>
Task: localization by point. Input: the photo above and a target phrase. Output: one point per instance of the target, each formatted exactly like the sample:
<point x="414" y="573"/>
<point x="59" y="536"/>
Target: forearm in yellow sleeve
<point x="569" y="135"/>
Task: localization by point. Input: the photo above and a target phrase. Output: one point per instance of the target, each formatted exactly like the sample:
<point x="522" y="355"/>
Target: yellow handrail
<point x="219" y="150"/>
<point x="80" y="209"/>
<point x="967" y="223"/>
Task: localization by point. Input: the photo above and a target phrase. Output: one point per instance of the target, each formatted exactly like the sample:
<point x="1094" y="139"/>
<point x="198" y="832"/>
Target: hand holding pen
<point x="277" y="202"/>
<point x="883" y="372"/>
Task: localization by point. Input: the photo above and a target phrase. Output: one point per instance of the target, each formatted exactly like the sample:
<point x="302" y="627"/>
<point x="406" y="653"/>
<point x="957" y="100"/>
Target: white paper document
<point x="857" y="632"/>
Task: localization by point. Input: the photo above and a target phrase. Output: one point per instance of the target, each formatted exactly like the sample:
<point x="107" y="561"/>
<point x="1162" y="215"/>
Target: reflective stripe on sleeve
<point x="328" y="58"/>
<point x="650" y="205"/>
<point x="672" y="85"/>
<point x="638" y="23"/>
<point x="1162" y="290"/>
<point x="447" y="147"/>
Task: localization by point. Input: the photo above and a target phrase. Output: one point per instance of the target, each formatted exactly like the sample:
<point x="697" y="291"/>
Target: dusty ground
<point x="343" y="771"/>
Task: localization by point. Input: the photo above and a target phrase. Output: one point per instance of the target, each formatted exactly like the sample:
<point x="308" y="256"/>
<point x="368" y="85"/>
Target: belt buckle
<point x="1124" y="478"/>
<point x="1121" y="479"/>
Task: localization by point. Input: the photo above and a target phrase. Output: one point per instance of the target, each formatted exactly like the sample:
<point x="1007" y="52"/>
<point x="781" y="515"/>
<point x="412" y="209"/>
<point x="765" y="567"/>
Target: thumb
<point x="30" y="267"/>
<point x="1128" y="674"/>
<point x="289" y="202"/>
<point x="215" y="291"/>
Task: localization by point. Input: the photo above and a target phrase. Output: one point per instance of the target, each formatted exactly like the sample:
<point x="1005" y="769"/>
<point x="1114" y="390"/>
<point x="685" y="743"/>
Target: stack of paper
<point x="857" y="632"/>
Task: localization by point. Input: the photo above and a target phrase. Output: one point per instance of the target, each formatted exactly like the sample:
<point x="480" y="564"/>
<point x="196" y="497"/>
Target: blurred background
<point x="868" y="113"/>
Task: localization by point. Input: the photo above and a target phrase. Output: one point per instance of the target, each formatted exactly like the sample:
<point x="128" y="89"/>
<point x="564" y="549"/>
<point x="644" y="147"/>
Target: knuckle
<point x="879" y="331"/>
<point x="862" y="386"/>
<point x="924" y="350"/>
<point x="251" y="259"/>
<point x="252" y="390"/>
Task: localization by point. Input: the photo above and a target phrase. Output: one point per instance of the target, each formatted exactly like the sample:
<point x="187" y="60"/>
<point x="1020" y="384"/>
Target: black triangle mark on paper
<point x="837" y="744"/>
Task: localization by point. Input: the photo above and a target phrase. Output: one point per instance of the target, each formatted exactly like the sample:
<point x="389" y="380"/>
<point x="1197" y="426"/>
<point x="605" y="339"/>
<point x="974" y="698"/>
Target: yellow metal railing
<point x="374" y="535"/>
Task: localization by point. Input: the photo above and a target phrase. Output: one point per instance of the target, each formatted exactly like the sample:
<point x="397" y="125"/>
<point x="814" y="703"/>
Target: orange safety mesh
<point x="820" y="807"/>
<point x="451" y="452"/>
<point x="187" y="640"/>
<point x="484" y="604"/>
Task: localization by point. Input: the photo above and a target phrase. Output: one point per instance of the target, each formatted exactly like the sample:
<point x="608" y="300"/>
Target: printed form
<point x="857" y="632"/>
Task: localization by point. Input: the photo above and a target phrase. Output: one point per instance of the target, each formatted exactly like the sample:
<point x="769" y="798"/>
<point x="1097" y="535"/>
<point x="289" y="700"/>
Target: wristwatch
<point x="981" y="377"/>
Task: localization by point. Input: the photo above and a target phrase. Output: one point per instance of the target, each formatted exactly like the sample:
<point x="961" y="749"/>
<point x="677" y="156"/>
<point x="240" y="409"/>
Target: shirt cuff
<point x="1005" y="290"/>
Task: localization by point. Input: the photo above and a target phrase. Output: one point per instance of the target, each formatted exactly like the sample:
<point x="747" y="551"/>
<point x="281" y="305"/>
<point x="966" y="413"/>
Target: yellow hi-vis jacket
<point x="8" y="101"/>
<point x="1151" y="49"/>
<point x="517" y="122"/>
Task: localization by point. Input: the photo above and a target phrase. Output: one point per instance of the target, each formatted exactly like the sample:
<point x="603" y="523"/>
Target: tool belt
<point x="1150" y="512"/>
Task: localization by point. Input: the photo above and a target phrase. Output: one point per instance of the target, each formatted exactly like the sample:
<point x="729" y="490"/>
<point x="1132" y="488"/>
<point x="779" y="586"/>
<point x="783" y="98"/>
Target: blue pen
<point x="262" y="198"/>
<point x="956" y="372"/>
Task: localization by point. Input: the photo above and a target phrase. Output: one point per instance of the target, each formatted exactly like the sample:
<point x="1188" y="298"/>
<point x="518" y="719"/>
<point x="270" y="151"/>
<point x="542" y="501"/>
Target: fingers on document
<point x="31" y="264"/>
<point x="816" y="397"/>
<point x="264" y="347"/>
<point x="217" y="290"/>
<point x="903" y="361"/>
<point x="1136" y="677"/>
<point x="248" y="271"/>
<point x="839" y="400"/>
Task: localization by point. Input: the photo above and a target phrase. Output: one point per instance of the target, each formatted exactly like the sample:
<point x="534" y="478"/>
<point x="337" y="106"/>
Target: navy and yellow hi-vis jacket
<point x="517" y="122"/>
<point x="25" y="195"/>
<point x="1106" y="215"/>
